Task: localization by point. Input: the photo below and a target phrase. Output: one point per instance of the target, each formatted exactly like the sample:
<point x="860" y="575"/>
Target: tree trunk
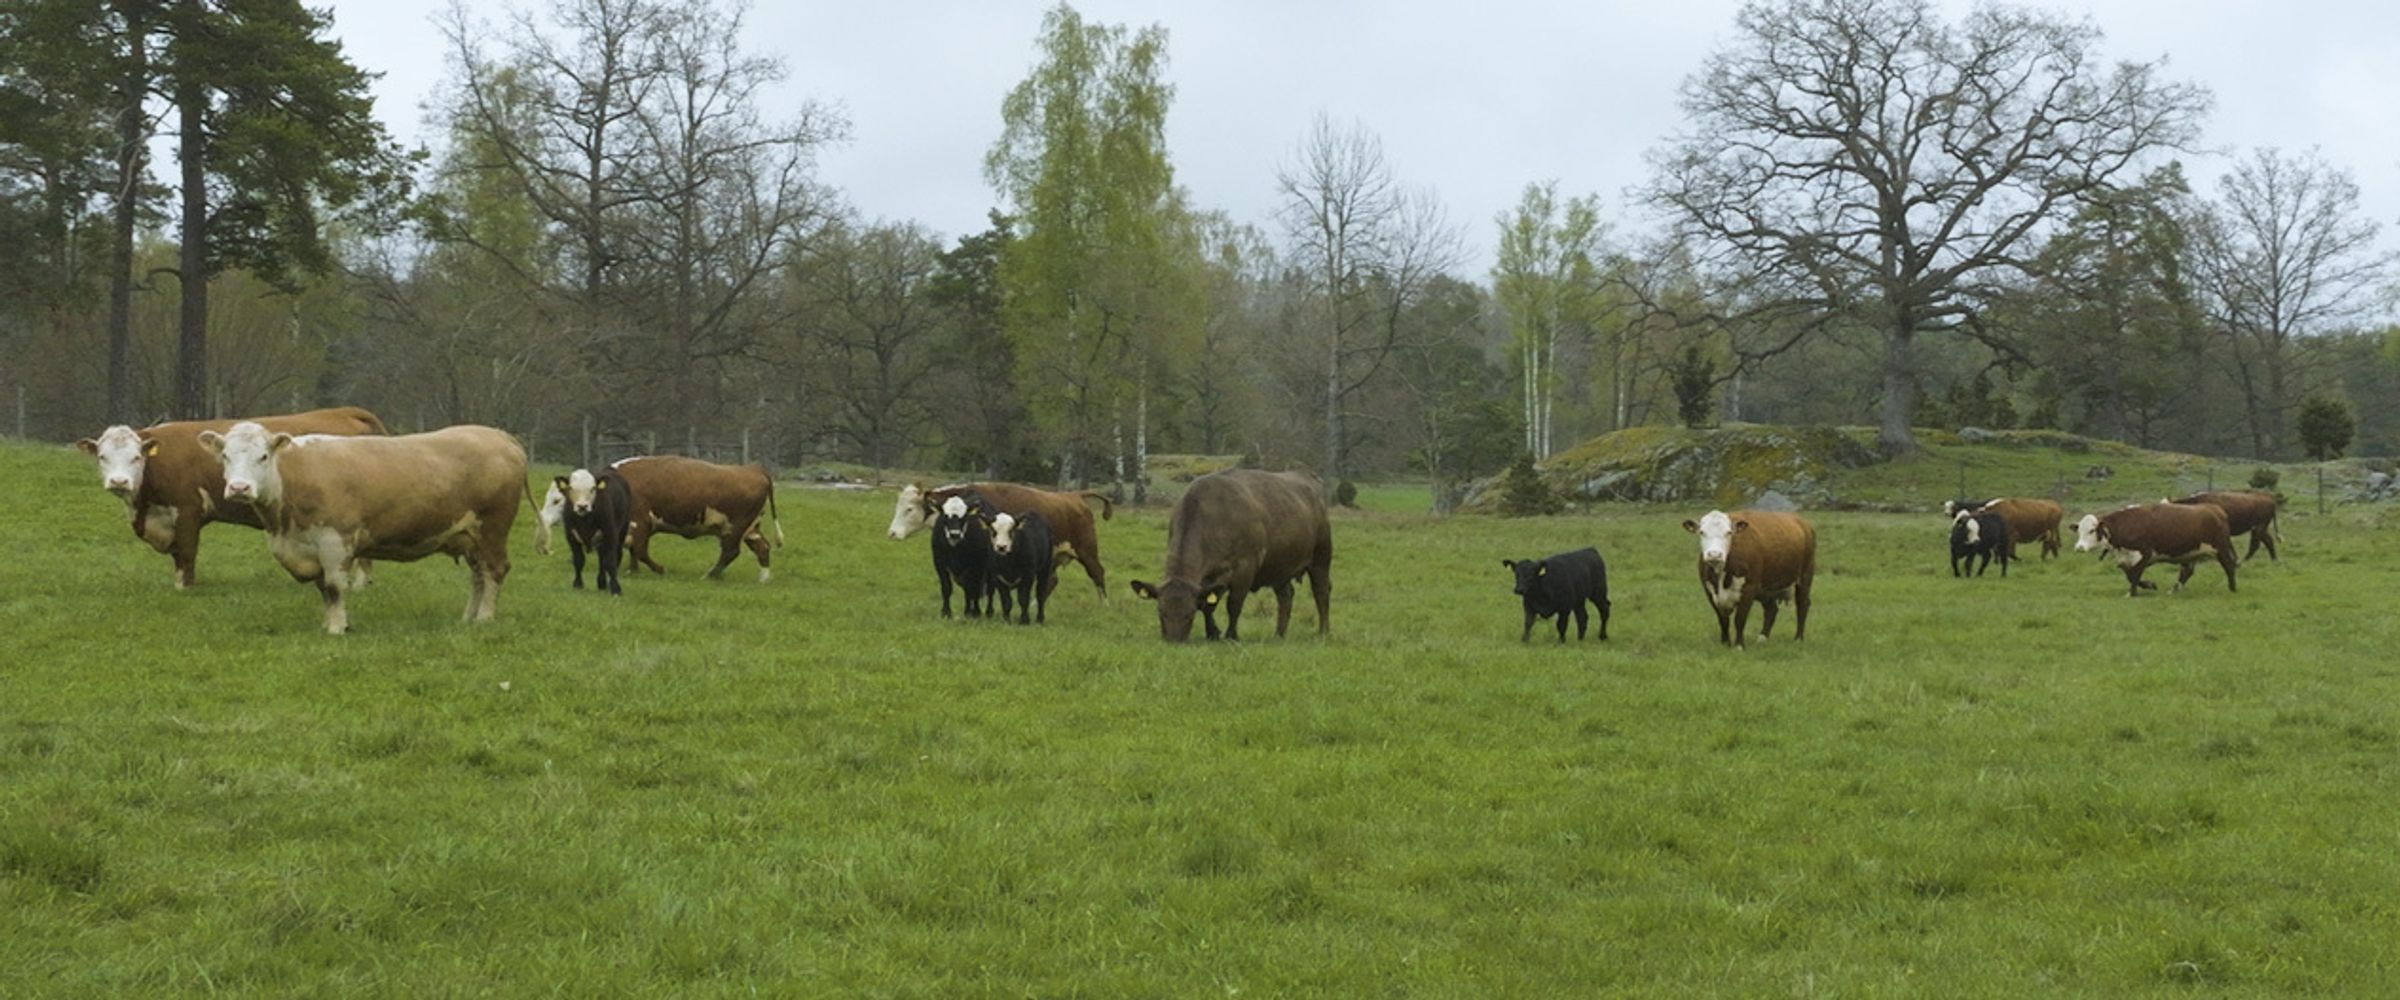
<point x="1333" y="397"/>
<point x="191" y="366"/>
<point x="132" y="145"/>
<point x="1893" y="437"/>
<point x="1141" y="445"/>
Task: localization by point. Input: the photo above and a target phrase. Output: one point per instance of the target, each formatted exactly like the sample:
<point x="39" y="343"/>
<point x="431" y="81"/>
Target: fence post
<point x="587" y="441"/>
<point x="2320" y="489"/>
<point x="652" y="449"/>
<point x="691" y="441"/>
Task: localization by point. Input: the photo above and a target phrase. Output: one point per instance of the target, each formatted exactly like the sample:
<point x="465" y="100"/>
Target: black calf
<point x="962" y="549"/>
<point x="599" y="513"/>
<point x="1559" y="584"/>
<point x="1029" y="568"/>
<point x="1980" y="533"/>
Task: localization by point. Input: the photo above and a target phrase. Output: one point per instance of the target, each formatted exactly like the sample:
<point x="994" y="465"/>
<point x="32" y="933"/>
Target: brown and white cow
<point x="2138" y="537"/>
<point x="690" y="498"/>
<point x="328" y="501"/>
<point x="2250" y="512"/>
<point x="1755" y="555"/>
<point x="1073" y="532"/>
<point x="1237" y="531"/>
<point x="172" y="486"/>
<point x="2029" y="518"/>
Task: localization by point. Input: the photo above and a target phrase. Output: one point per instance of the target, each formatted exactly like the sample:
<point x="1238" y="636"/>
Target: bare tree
<point x="1864" y="158"/>
<point x="873" y="330"/>
<point x="2285" y="255"/>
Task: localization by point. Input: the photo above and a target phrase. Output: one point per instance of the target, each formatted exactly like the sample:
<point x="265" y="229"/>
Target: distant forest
<point x="1870" y="215"/>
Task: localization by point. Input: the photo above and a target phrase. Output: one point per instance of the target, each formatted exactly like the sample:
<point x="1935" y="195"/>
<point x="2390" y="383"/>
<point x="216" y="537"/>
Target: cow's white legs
<point x="337" y="617"/>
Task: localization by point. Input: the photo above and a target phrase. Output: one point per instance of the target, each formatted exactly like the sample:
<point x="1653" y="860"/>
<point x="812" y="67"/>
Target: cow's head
<point x="248" y="452"/>
<point x="580" y="490"/>
<point x="2090" y="535"/>
<point x="911" y="513"/>
<point x="961" y="520"/>
<point x="1716" y="530"/>
<point x="1966" y="527"/>
<point x="1178" y="601"/>
<point x="1004" y="534"/>
<point x="1529" y="572"/>
<point x="123" y="453"/>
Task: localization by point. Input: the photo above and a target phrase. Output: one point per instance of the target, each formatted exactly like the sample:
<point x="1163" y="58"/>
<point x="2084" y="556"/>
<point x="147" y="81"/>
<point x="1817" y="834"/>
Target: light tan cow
<point x="327" y="502"/>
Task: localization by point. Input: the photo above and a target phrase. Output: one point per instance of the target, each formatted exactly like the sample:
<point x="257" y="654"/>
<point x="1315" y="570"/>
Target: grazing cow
<point x="1237" y="531"/>
<point x="1980" y="533"/>
<point x="599" y="513"/>
<point x="2247" y="512"/>
<point x="554" y="511"/>
<point x="1023" y="563"/>
<point x="962" y="549"/>
<point x="328" y="501"/>
<point x="1755" y="555"/>
<point x="2141" y="535"/>
<point x="1069" y="514"/>
<point x="2029" y="519"/>
<point x="171" y="485"/>
<point x="1560" y="584"/>
<point x="693" y="499"/>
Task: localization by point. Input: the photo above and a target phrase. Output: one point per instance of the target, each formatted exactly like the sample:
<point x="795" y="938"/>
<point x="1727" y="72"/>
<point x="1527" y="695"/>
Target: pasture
<point x="817" y="787"/>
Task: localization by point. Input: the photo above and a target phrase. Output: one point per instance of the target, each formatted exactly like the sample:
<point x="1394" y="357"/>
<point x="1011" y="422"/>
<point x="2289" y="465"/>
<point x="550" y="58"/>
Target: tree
<point x="1695" y="378"/>
<point x="2286" y="254"/>
<point x="2325" y="427"/>
<point x="982" y="366"/>
<point x="1544" y="279"/>
<point x="1864" y="160"/>
<point x="873" y="331"/>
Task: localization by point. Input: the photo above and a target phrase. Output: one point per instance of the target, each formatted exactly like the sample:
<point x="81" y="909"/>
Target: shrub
<point x="2264" y="478"/>
<point x="2325" y="427"/>
<point x="1345" y="493"/>
<point x="1526" y="495"/>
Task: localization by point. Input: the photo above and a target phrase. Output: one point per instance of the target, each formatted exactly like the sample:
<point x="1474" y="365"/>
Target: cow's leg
<point x="1283" y="607"/>
<point x="1601" y="602"/>
<point x="1208" y="618"/>
<point x="2133" y="578"/>
<point x="1049" y="583"/>
<point x="760" y="548"/>
<point x="185" y="548"/>
<point x="1583" y="621"/>
<point x="1724" y="627"/>
<point x="1800" y="608"/>
<point x="944" y="576"/>
<point x="1562" y="627"/>
<point x="1087" y="552"/>
<point x="575" y="555"/>
<point x="1234" y="599"/>
<point x="1954" y="573"/>
<point x="2263" y="535"/>
<point x="1527" y="635"/>
<point x="361" y="573"/>
<point x="495" y="570"/>
<point x="637" y="538"/>
<point x="1320" y="587"/>
<point x="1741" y="624"/>
<point x="612" y="555"/>
<point x="337" y="618"/>
<point x="729" y="548"/>
<point x="1025" y="589"/>
<point x="476" y="584"/>
<point x="2225" y="559"/>
<point x="1767" y="608"/>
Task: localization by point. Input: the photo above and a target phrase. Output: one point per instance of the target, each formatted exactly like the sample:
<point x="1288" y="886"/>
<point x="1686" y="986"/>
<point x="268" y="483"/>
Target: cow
<point x="1980" y="533"/>
<point x="2139" y="536"/>
<point x="1560" y="584"/>
<point x="2250" y="512"/>
<point x="1235" y="532"/>
<point x="1755" y="555"/>
<point x="553" y="512"/>
<point x="2029" y="519"/>
<point x="693" y="499"/>
<point x="1071" y="528"/>
<point x="1023" y="564"/>
<point x="962" y="549"/>
<point x="598" y="514"/>
<point x="327" y="501"/>
<point x="172" y="486"/>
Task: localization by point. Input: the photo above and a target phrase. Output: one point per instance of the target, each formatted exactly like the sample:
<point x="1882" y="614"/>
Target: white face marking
<point x="582" y="490"/>
<point x="1716" y="537"/>
<point x="908" y="516"/>
<point x="2087" y="533"/>
<point x="554" y="506"/>
<point x="1004" y="533"/>
<point x="1950" y="508"/>
<point x="248" y="454"/>
<point x="954" y="520"/>
<point x="119" y="452"/>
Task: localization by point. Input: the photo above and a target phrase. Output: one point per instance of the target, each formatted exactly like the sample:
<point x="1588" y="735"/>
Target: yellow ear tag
<point x="1211" y="600"/>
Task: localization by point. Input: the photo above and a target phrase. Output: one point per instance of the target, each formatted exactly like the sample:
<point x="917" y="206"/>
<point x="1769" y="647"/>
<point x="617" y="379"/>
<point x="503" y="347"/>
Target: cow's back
<point x="681" y="491"/>
<point x="414" y="486"/>
<point x="2243" y="509"/>
<point x="1777" y="550"/>
<point x="184" y="474"/>
<point x="2172" y="528"/>
<point x="2028" y="518"/>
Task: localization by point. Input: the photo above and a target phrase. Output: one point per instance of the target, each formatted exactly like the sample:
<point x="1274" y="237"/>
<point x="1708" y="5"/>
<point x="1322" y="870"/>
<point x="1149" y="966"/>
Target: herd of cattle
<point x="334" y="492"/>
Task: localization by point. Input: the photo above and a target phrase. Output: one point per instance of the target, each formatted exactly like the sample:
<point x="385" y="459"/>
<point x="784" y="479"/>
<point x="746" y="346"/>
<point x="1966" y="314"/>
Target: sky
<point x="1471" y="101"/>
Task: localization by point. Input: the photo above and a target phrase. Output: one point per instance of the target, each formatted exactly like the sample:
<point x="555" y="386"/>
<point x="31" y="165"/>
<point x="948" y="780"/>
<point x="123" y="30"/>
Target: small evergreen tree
<point x="1695" y="379"/>
<point x="1525" y="494"/>
<point x="2325" y="427"/>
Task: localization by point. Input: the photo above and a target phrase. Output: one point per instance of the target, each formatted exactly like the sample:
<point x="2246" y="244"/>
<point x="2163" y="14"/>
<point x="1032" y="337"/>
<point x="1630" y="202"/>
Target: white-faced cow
<point x="2029" y="519"/>
<point x="1560" y="585"/>
<point x="1755" y="555"/>
<point x="1072" y="531"/>
<point x="598" y="513"/>
<point x="1238" y="531"/>
<point x="2138" y="537"/>
<point x="962" y="550"/>
<point x="329" y="501"/>
<point x="172" y="486"/>
<point x="688" y="497"/>
<point x="553" y="513"/>
<point x="1023" y="567"/>
<point x="2247" y="512"/>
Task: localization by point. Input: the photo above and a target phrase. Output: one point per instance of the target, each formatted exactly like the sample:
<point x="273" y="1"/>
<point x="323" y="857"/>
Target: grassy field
<point x="2020" y="787"/>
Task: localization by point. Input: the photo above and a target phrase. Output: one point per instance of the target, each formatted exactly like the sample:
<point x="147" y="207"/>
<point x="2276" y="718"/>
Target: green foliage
<point x="1345" y="494"/>
<point x="1525" y="493"/>
<point x="1695" y="376"/>
<point x="2265" y="477"/>
<point x="2325" y="426"/>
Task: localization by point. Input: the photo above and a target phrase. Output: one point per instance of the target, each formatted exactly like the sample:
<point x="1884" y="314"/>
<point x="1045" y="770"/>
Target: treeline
<point x="1871" y="216"/>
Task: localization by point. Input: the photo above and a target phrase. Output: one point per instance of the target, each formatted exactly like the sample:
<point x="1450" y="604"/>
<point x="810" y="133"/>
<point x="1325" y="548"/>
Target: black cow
<point x="1023" y="562"/>
<point x="1560" y="584"/>
<point x="1982" y="533"/>
<point x="598" y="515"/>
<point x="962" y="549"/>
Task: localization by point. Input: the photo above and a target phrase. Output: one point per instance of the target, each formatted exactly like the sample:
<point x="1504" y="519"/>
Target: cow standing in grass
<point x="2029" y="519"/>
<point x="1022" y="566"/>
<point x="962" y="550"/>
<point x="1560" y="585"/>
<point x="1980" y="534"/>
<point x="1071" y="527"/>
<point x="1237" y="531"/>
<point x="2141" y="536"/>
<point x="1755" y="556"/>
<point x="734" y="504"/>
<point x="2247" y="512"/>
<point x="597" y="514"/>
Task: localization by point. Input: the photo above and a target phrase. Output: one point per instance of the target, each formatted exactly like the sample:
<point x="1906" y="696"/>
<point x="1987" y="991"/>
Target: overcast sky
<point x="1471" y="100"/>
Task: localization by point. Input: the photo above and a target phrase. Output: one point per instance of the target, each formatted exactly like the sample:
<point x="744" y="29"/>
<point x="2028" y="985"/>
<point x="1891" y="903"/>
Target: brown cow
<point x="2028" y="518"/>
<point x="2250" y="512"/>
<point x="1237" y="531"/>
<point x="328" y="501"/>
<point x="1755" y="555"/>
<point x="171" y="485"/>
<point x="1072" y="530"/>
<point x="2160" y="532"/>
<point x="691" y="498"/>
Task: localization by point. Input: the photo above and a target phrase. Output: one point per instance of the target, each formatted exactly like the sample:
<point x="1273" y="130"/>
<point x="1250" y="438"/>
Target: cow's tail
<point x="541" y="528"/>
<point x="774" y="518"/>
<point x="1108" y="507"/>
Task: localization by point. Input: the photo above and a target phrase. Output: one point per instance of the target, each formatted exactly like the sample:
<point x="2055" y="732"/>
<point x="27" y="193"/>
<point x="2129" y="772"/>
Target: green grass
<point x="2021" y="787"/>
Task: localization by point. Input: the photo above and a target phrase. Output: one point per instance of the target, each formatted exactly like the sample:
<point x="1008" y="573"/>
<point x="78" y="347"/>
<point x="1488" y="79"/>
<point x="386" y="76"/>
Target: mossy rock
<point x="1727" y="466"/>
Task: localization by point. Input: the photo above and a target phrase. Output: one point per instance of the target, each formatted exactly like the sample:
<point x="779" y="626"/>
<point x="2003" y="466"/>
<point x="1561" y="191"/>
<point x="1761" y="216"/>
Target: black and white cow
<point x="1984" y="534"/>
<point x="962" y="549"/>
<point x="1560" y="585"/>
<point x="1023" y="565"/>
<point x="597" y="515"/>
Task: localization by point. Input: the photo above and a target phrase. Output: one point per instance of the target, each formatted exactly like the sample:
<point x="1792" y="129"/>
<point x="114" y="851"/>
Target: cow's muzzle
<point x="237" y="490"/>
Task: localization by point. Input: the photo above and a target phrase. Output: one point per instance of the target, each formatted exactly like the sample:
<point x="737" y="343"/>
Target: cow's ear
<point x="560" y="482"/>
<point x="1691" y="526"/>
<point x="1145" y="591"/>
<point x="1741" y="526"/>
<point x="1508" y="563"/>
<point x="601" y="485"/>
<point x="1541" y="569"/>
<point x="213" y="441"/>
<point x="279" y="443"/>
<point x="88" y="446"/>
<point x="149" y="447"/>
